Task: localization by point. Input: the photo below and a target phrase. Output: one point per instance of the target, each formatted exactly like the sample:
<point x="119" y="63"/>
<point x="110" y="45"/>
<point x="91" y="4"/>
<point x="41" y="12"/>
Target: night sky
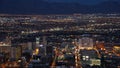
<point x="90" y="2"/>
<point x="59" y="6"/>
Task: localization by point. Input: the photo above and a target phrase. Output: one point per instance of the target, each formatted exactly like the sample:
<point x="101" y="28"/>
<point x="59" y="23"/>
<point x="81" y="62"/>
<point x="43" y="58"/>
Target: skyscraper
<point x="86" y="42"/>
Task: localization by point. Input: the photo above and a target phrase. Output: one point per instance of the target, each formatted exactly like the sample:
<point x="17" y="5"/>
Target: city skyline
<point x="59" y="34"/>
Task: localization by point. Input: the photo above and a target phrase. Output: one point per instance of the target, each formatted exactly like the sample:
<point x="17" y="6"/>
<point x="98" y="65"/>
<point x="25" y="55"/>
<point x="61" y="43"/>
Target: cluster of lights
<point x="85" y="58"/>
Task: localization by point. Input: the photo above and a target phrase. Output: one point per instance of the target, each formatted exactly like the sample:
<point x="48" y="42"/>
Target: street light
<point x="77" y="55"/>
<point x="37" y="51"/>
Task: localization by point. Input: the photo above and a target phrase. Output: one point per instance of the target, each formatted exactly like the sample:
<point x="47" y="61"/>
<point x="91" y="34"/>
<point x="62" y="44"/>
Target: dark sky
<point x="82" y="1"/>
<point x="78" y="1"/>
<point x="70" y="6"/>
<point x="88" y="2"/>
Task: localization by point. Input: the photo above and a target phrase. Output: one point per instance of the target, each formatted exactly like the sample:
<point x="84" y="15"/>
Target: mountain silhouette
<point x="43" y="7"/>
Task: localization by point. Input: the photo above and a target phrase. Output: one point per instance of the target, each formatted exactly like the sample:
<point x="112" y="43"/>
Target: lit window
<point x="87" y="56"/>
<point x="84" y="59"/>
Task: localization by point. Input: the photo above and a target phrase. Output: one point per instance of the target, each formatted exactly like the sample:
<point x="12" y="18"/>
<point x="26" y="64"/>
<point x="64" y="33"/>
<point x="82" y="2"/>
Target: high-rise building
<point x="85" y="42"/>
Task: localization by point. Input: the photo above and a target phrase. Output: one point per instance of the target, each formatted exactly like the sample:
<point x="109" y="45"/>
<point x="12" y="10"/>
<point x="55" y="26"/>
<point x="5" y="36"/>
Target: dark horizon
<point x="55" y="7"/>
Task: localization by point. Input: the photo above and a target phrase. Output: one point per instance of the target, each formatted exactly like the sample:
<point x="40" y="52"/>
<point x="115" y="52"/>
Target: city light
<point x="67" y="40"/>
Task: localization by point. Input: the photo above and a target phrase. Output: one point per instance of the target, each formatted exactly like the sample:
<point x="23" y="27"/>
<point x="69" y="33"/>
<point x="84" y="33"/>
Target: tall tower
<point x="86" y="42"/>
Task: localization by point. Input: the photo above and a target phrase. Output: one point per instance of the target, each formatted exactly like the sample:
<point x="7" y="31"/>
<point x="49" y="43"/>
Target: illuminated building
<point x="86" y="42"/>
<point x="90" y="57"/>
